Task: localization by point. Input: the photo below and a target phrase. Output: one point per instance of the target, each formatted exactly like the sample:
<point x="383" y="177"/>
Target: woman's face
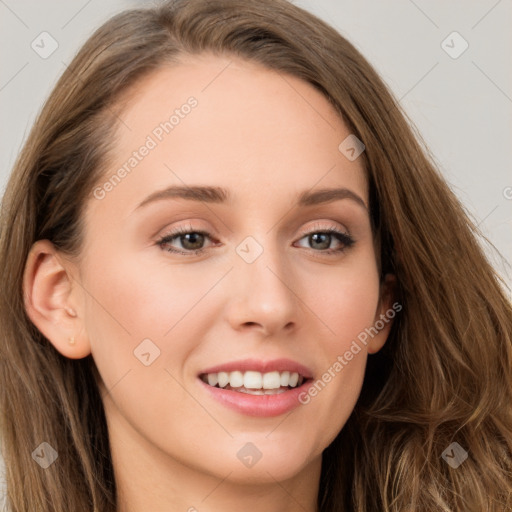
<point x="270" y="292"/>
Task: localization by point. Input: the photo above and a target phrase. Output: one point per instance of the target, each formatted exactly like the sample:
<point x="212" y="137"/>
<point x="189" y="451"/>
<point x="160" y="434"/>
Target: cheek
<point x="137" y="307"/>
<point x="141" y="330"/>
<point x="133" y="310"/>
<point x="143" y="301"/>
<point x="345" y="300"/>
<point x="132" y="304"/>
<point x="346" y="303"/>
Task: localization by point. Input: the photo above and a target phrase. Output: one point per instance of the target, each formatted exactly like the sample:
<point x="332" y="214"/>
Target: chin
<point x="262" y="460"/>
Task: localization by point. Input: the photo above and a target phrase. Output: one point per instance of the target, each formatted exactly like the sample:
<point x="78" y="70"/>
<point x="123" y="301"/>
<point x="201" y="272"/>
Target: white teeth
<point x="271" y="380"/>
<point x="236" y="379"/>
<point x="252" y="380"/>
<point x="255" y="382"/>
<point x="223" y="379"/>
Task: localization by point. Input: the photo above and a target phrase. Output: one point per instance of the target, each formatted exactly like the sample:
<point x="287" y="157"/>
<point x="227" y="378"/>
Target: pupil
<point x="314" y="239"/>
<point x="193" y="240"/>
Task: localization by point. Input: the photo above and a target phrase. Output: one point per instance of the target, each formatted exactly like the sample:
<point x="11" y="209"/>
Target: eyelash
<point x="346" y="240"/>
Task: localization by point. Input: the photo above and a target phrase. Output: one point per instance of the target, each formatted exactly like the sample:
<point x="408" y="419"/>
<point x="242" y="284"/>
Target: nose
<point x="263" y="295"/>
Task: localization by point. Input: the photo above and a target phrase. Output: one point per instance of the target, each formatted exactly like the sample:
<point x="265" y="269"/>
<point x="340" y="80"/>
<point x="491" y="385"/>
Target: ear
<point x="51" y="297"/>
<point x="386" y="311"/>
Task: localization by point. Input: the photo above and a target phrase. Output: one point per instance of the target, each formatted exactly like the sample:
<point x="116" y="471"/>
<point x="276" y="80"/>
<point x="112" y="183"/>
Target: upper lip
<point x="258" y="365"/>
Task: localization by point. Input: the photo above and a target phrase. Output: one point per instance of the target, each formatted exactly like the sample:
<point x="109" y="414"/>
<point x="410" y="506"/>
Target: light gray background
<point x="462" y="107"/>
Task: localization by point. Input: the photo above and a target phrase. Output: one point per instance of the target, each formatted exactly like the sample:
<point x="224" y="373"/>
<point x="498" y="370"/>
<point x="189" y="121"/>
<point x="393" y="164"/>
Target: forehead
<point x="219" y="120"/>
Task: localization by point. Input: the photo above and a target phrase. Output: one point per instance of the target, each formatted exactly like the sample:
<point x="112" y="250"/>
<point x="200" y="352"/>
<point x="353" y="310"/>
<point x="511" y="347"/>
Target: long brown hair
<point x="443" y="377"/>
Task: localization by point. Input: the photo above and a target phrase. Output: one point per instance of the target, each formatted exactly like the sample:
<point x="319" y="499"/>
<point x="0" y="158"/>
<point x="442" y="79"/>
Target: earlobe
<point x="49" y="295"/>
<point x="384" y="315"/>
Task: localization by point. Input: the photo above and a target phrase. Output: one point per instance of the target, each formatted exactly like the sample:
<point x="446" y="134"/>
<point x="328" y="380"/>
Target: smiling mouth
<point x="253" y="382"/>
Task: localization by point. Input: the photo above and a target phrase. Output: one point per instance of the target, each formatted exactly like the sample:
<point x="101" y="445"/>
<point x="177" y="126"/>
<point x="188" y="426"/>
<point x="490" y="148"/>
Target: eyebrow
<point x="209" y="194"/>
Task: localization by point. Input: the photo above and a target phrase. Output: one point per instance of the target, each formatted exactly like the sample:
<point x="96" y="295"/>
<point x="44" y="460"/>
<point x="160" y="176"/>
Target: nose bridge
<point x="263" y="293"/>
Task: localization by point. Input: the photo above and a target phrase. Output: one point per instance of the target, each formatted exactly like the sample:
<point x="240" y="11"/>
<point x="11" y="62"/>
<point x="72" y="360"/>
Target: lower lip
<point x="258" y="405"/>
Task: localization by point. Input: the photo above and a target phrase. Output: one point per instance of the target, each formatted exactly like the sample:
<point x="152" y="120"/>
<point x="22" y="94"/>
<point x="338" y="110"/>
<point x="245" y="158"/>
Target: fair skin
<point x="265" y="138"/>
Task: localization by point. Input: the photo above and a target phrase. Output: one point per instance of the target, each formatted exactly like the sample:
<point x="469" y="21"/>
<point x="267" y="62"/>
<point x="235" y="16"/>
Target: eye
<point x="191" y="240"/>
<point x="320" y="240"/>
